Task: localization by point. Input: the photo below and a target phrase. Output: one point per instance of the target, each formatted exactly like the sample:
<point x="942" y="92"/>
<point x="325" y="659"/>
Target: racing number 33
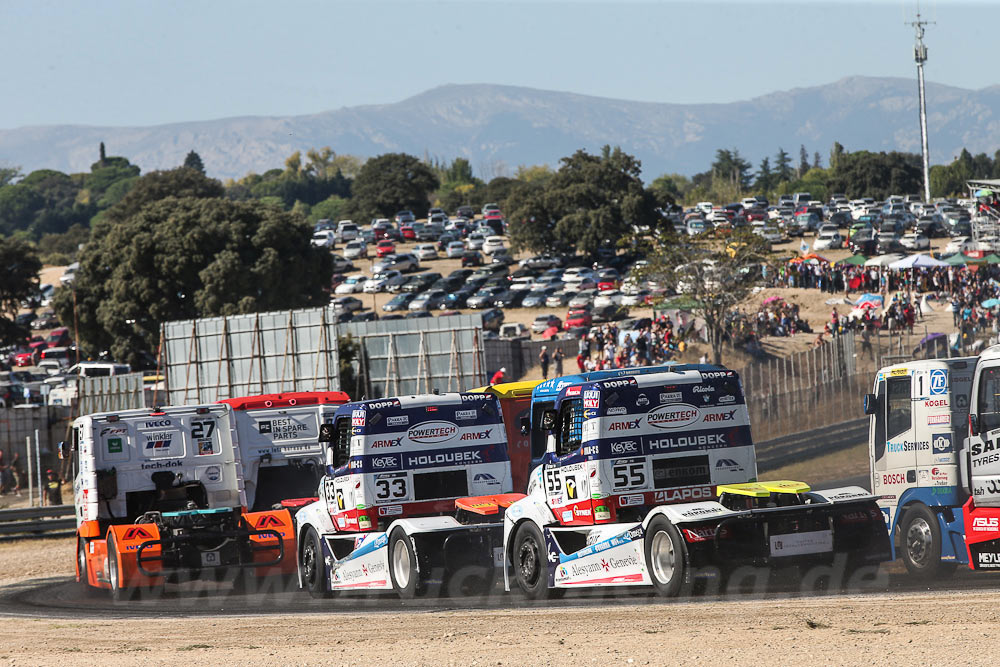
<point x="394" y="489"/>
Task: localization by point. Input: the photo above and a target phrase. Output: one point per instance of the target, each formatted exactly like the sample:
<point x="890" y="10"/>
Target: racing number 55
<point x="628" y="474"/>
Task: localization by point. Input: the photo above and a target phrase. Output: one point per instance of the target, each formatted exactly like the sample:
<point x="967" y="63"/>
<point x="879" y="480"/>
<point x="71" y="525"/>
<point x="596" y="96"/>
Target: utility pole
<point x="920" y="55"/>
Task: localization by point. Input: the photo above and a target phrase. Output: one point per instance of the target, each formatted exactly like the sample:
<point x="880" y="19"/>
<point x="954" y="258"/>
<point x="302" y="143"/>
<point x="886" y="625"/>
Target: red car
<point x="24" y="359"/>
<point x="385" y="247"/>
<point x="578" y="317"/>
<point x="408" y="232"/>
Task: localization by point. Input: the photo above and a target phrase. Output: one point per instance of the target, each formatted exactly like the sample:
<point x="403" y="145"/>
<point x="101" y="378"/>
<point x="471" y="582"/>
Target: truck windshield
<point x="571" y="426"/>
<point x="898" y="417"/>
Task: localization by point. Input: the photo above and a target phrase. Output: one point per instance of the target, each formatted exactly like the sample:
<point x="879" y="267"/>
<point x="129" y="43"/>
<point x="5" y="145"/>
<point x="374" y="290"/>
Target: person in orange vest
<point x="498" y="376"/>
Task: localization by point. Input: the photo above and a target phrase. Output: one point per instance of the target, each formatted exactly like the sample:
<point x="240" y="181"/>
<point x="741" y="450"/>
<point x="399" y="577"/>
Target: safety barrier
<point x="36" y="521"/>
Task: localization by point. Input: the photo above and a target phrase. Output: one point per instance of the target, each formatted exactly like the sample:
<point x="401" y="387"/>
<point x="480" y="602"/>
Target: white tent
<point x="918" y="261"/>
<point x="883" y="260"/>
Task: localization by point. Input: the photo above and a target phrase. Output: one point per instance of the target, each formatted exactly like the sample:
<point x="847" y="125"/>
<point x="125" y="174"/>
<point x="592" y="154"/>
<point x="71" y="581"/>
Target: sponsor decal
<point x="378" y="405"/>
<point x="983" y="447"/>
<point x="390" y="510"/>
<point x="443" y="458"/>
<point x="591" y="402"/>
<point x="463" y="415"/>
<point x="703" y="389"/>
<point x="898" y="447"/>
<point x="673" y="416"/>
<point x="567" y="516"/>
<point x="988" y="560"/>
<point x="590" y="414"/>
<point x="796" y="544"/>
<point x="474" y="397"/>
<point x="699" y="533"/>
<point x="894" y="478"/>
<point x="670" y="397"/>
<point x="630" y="500"/>
<point x="728" y="465"/>
<point x="625" y="447"/>
<point x="728" y="398"/>
<point x="264" y="428"/>
<point x="941" y="443"/>
<point x="615" y="384"/>
<point x="477" y="435"/>
<point x="364" y="523"/>
<point x="624" y="426"/>
<point x="720" y="416"/>
<point x="942" y="420"/>
<point x="114" y="445"/>
<point x="680" y="495"/>
<point x="571" y="489"/>
<point x="136" y="533"/>
<point x="897" y="372"/>
<point x="580" y="512"/>
<point x="159" y="424"/>
<point x="936" y="403"/>
<point x="620" y="410"/>
<point x="357" y="418"/>
<point x="391" y="442"/>
<point x="114" y="430"/>
<point x="383" y="462"/>
<point x="573" y="391"/>
<point x="205" y="448"/>
<point x="591" y="393"/>
<point x="642" y="401"/>
<point x="687" y="441"/>
<point x="700" y="511"/>
<point x="269" y="521"/>
<point x="213" y="473"/>
<point x="432" y="432"/>
<point x="939" y="381"/>
<point x="160" y="465"/>
<point x="156" y="441"/>
<point x="601" y="513"/>
<point x="486" y="478"/>
<point x="987" y="524"/>
<point x="986" y="460"/>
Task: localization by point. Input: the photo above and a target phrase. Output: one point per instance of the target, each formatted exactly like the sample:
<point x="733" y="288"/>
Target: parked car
<point x="324" y="239"/>
<point x="828" y="241"/>
<point x="502" y="256"/>
<point x="638" y="297"/>
<point x="398" y="302"/>
<point x="425" y="251"/>
<point x="384" y="247"/>
<point x="417" y="314"/>
<point x="472" y="258"/>
<point x="475" y="241"/>
<point x="380" y="282"/>
<point x="420" y="282"/>
<point x="459" y="298"/>
<point x="492" y="244"/>
<point x="611" y="297"/>
<point x="355" y="249"/>
<point x="340" y="263"/>
<point x="582" y="298"/>
<point x="543" y="261"/>
<point x="492" y="319"/>
<point x="484" y="298"/>
<point x="405" y="216"/>
<point x="347" y="231"/>
<point x="514" y="330"/>
<point x="510" y="299"/>
<point x="351" y="285"/>
<point x="403" y="262"/>
<point x="346" y="304"/>
<point x="455" y="250"/>
<point x="558" y="299"/>
<point x="466" y="212"/>
<point x="915" y="241"/>
<point x="578" y="317"/>
<point x="432" y="299"/>
<point x="543" y="322"/>
<point x="536" y="297"/>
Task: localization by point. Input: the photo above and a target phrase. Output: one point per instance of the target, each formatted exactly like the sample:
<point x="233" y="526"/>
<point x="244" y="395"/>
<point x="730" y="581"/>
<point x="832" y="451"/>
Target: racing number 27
<point x="203" y="429"/>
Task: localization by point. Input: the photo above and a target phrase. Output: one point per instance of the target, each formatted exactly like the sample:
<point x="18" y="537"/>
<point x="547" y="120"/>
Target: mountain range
<point x="500" y="127"/>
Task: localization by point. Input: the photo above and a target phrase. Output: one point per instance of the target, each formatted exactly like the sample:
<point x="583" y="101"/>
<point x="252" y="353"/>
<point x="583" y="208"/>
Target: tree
<point x="803" y="161"/>
<point x="389" y="183"/>
<point x="816" y="162"/>
<point x="878" y="175"/>
<point x="765" y="178"/>
<point x="836" y="153"/>
<point x="180" y="258"/>
<point x="591" y="202"/>
<point x="8" y="175"/>
<point x="157" y="185"/>
<point x="19" y="267"/>
<point x="193" y="161"/>
<point x="783" y="166"/>
<point x="715" y="276"/>
<point x="18" y="205"/>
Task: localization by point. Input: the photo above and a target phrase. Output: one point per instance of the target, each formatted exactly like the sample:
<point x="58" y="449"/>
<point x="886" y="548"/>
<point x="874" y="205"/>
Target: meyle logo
<point x="431" y="432"/>
<point x="478" y="435"/>
<point x="162" y="422"/>
<point x="383" y="462"/>
<point x="624" y="426"/>
<point x="399" y="420"/>
<point x="620" y="410"/>
<point x="986" y="523"/>
<point x="673" y="416"/>
<point x="625" y="447"/>
<point x="720" y="416"/>
<point x="443" y="458"/>
<point x="377" y="444"/>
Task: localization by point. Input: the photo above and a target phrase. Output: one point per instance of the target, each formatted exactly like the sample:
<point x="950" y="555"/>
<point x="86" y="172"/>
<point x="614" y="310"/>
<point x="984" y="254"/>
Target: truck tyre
<point x="120" y="591"/>
<point x="665" y="556"/>
<point x="530" y="559"/>
<point x="312" y="564"/>
<point x="403" y="570"/>
<point x="920" y="544"/>
<point x="81" y="560"/>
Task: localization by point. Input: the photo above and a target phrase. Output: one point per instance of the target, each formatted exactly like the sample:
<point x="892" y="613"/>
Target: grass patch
<point x="192" y="647"/>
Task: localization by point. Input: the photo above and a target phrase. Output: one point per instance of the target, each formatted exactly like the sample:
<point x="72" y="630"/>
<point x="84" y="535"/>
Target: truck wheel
<point x="120" y="591"/>
<point x="313" y="569"/>
<point x="531" y="562"/>
<point x="403" y="569"/>
<point x="920" y="544"/>
<point x="664" y="551"/>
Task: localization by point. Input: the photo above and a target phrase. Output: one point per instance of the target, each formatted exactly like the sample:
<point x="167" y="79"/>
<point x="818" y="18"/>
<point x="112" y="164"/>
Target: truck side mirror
<point x="871" y="404"/>
<point x="525" y="426"/>
<point x="548" y="420"/>
<point x="63" y="450"/>
<point x="326" y="432"/>
<point x="973" y="424"/>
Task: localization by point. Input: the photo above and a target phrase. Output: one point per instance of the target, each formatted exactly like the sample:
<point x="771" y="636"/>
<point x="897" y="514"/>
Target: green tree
<point x="18" y="205"/>
<point x="8" y="175"/>
<point x="765" y="178"/>
<point x="783" y="166"/>
<point x="186" y="258"/>
<point x="389" y="183"/>
<point x="803" y="161"/>
<point x="878" y="175"/>
<point x="62" y="248"/>
<point x="19" y="267"/>
<point x="193" y="161"/>
<point x="330" y="208"/>
<point x="157" y="185"/>
<point x="836" y="153"/>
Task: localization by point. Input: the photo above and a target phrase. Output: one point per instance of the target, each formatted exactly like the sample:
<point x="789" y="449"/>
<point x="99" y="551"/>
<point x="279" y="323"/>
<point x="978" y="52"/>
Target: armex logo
<point x="477" y="435"/>
<point x="392" y="442"/>
<point x="720" y="416"/>
<point x="624" y="426"/>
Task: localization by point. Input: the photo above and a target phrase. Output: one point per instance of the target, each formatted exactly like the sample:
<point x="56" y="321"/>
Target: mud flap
<point x="982" y="535"/>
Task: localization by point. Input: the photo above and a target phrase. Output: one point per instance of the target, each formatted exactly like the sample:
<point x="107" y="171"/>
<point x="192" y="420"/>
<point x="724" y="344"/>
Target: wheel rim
<point x="528" y="561"/>
<point x="81" y="557"/>
<point x="309" y="561"/>
<point x="113" y="571"/>
<point x="918" y="541"/>
<point x="661" y="556"/>
<point x="401" y="564"/>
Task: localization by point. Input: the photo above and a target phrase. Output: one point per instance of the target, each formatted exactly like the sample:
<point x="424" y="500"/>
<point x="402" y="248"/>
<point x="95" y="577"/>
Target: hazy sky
<point x="135" y="62"/>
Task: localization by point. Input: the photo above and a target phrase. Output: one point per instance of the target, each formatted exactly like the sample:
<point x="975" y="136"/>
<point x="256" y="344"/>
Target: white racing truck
<point x="278" y="436"/>
<point x="159" y="498"/>
<point x="394" y="512"/>
<point x="650" y="480"/>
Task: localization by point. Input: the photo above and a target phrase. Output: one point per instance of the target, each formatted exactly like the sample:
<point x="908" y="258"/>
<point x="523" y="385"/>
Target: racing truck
<point x="410" y="498"/>
<point x="935" y="452"/>
<point x="159" y="498"/>
<point x="918" y="455"/>
<point x="278" y="436"/>
<point x="650" y="480"/>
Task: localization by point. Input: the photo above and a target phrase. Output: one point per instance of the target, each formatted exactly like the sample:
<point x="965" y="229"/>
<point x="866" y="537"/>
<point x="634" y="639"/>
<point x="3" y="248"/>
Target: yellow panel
<point x="785" y="486"/>
<point x="752" y="489"/>
<point x="896" y="372"/>
<point x="508" y="389"/>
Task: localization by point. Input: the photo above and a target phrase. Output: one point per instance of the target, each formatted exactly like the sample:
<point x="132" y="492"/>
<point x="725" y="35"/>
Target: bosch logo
<point x="625" y="447"/>
<point x="382" y="462"/>
<point x="624" y="426"/>
<point x="673" y="416"/>
<point x="431" y="432"/>
<point x="894" y="478"/>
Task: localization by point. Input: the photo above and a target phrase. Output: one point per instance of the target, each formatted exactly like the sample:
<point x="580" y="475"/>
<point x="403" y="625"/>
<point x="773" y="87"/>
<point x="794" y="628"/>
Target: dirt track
<point x="875" y="628"/>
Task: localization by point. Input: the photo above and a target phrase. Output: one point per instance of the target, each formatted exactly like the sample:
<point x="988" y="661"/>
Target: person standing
<point x="498" y="376"/>
<point x="557" y="360"/>
<point x="53" y="488"/>
<point x="543" y="359"/>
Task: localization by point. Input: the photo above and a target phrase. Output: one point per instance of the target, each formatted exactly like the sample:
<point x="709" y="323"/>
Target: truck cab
<point x="981" y="512"/>
<point x="917" y="454"/>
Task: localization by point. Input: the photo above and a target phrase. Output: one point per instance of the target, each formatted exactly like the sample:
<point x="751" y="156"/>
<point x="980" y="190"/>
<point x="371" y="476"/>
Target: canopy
<point x="869" y="301"/>
<point x="984" y="193"/>
<point x="991" y="303"/>
<point x="917" y="261"/>
<point x="883" y="260"/>
<point x="854" y="260"/>
<point x="958" y="259"/>
<point x="992" y="258"/>
<point x="812" y="258"/>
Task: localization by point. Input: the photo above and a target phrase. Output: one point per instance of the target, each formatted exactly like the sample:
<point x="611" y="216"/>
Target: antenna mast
<point x="920" y="56"/>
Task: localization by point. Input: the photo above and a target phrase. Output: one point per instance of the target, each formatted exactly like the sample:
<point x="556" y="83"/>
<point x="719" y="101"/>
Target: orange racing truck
<point x="159" y="499"/>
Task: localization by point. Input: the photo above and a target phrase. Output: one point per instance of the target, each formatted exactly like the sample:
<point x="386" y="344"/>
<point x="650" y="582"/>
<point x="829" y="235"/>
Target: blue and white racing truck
<point x="391" y="514"/>
<point x="650" y="480"/>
